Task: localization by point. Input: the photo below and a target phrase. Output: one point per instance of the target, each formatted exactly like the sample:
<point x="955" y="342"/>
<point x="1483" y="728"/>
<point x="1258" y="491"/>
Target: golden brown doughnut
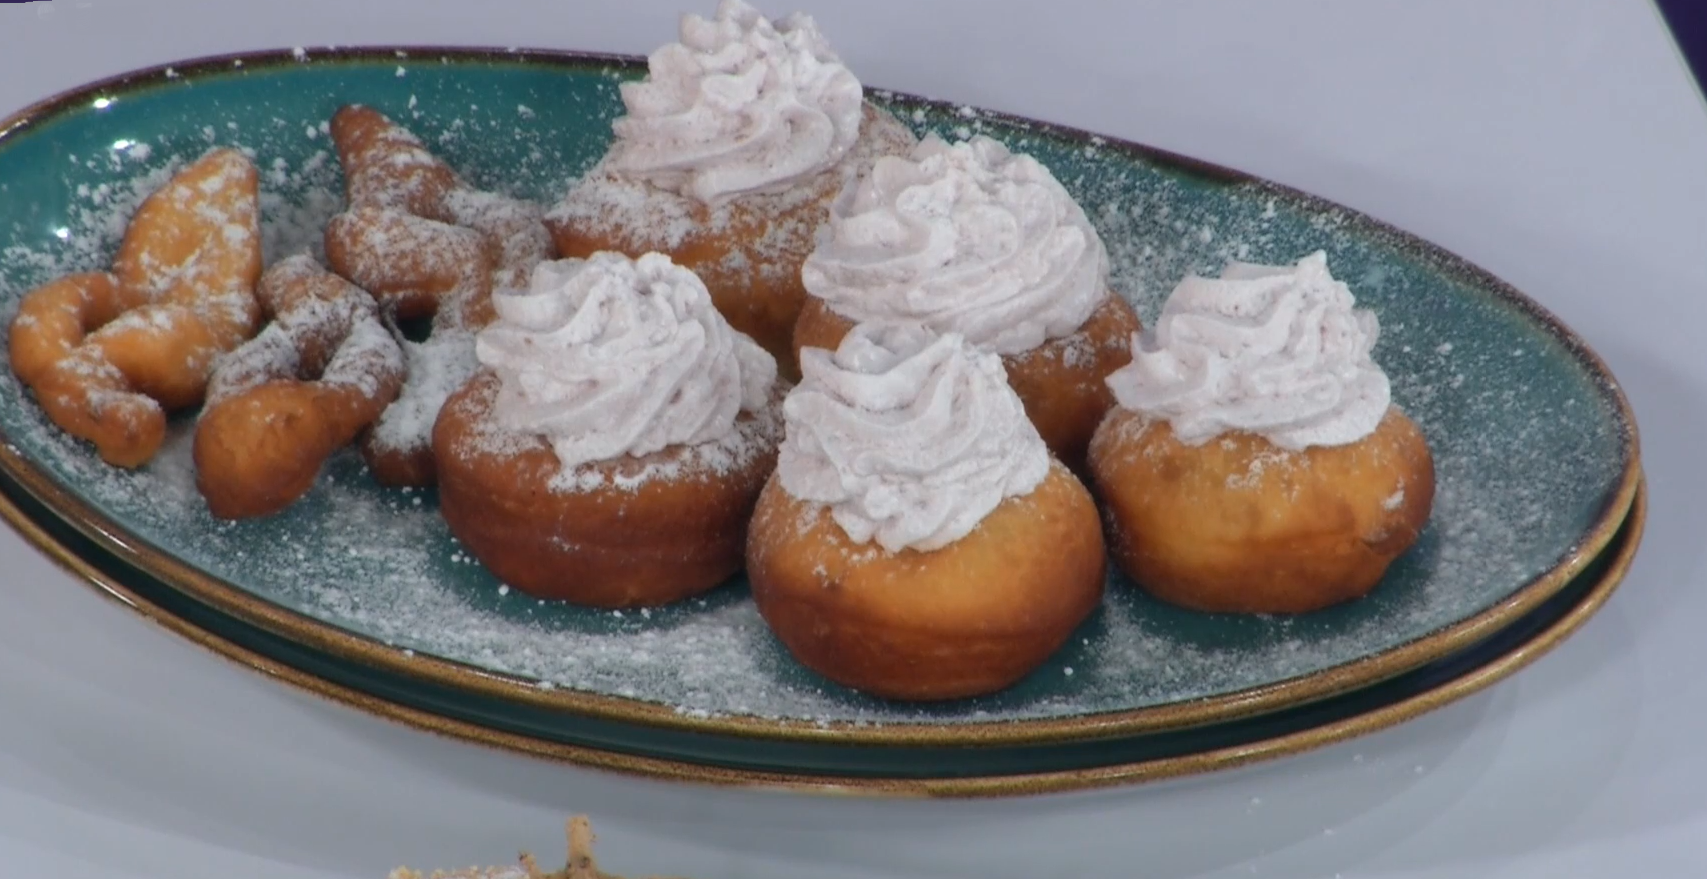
<point x="628" y="532"/>
<point x="1060" y="382"/>
<point x="968" y="619"/>
<point x="109" y="355"/>
<point x="1239" y="524"/>
<point x="280" y="404"/>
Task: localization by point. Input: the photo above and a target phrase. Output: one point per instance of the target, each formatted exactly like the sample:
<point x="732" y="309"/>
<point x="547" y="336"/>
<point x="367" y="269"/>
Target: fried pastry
<point x="581" y="864"/>
<point x="426" y="244"/>
<point x="972" y="239"/>
<point x="109" y="355"/>
<point x="1255" y="462"/>
<point x="727" y="160"/>
<point x="612" y="445"/>
<point x="918" y="540"/>
<point x="319" y="373"/>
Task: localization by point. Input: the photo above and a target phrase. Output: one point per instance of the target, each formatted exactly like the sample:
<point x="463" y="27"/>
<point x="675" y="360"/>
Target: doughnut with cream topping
<point x="972" y="239"/>
<point x="918" y="540"/>
<point x="1255" y="462"/>
<point x="729" y="155"/>
<point x="611" y="446"/>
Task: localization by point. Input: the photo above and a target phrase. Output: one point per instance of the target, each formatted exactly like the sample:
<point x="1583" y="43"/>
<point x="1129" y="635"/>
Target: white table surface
<point x="1558" y="143"/>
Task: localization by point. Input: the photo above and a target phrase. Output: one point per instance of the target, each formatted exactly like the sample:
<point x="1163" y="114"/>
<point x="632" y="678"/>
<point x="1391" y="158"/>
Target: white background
<point x="1557" y="143"/>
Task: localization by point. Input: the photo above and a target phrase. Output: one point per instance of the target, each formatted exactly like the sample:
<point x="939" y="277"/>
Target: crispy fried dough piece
<point x="409" y="263"/>
<point x="426" y="244"/>
<point x="279" y="405"/>
<point x="109" y="355"/>
<point x="55" y="318"/>
<point x="385" y="164"/>
<point x="581" y="862"/>
<point x="515" y="228"/>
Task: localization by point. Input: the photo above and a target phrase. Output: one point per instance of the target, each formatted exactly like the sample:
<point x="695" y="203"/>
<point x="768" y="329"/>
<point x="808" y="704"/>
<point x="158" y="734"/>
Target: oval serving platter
<point x="1535" y="445"/>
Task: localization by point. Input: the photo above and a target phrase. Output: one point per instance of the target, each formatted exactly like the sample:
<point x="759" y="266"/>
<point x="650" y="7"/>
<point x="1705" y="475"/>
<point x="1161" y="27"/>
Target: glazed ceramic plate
<point x="1535" y="447"/>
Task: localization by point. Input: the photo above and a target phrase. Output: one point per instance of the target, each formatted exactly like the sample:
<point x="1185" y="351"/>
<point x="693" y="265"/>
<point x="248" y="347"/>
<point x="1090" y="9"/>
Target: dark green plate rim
<point x="645" y="719"/>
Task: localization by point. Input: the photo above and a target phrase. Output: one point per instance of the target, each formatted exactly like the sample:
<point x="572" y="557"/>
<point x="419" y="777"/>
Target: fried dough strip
<point x="109" y="355"/>
<point x="282" y="403"/>
<point x="409" y="263"/>
<point x="424" y="243"/>
<point x="385" y="164"/>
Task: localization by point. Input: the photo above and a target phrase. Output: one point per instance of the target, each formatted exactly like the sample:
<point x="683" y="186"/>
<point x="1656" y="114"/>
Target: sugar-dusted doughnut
<point x="615" y="465"/>
<point x="918" y="540"/>
<point x="1255" y="462"/>
<point x="732" y="181"/>
<point x="970" y="238"/>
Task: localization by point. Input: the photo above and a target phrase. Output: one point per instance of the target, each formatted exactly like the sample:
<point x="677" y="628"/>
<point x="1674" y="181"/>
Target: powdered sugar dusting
<point x="437" y="366"/>
<point x="1525" y="446"/>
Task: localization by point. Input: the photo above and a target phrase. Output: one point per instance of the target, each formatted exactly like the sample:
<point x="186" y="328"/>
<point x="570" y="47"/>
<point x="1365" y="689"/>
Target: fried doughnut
<point x="918" y="541"/>
<point x="425" y="244"/>
<point x="968" y="619"/>
<point x="972" y="238"/>
<point x="109" y="355"/>
<point x="611" y="447"/>
<point x="625" y="532"/>
<point x="284" y="401"/>
<point x="1240" y="525"/>
<point x="732" y="182"/>
<point x="1255" y="461"/>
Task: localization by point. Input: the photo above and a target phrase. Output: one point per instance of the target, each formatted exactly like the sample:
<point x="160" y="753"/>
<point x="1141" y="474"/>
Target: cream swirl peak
<point x="739" y="105"/>
<point x="909" y="437"/>
<point x="967" y="238"/>
<point x="609" y="356"/>
<point x="1278" y="351"/>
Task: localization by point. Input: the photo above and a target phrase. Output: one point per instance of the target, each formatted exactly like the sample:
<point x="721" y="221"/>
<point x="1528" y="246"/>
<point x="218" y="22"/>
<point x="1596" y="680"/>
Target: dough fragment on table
<point x="581" y="863"/>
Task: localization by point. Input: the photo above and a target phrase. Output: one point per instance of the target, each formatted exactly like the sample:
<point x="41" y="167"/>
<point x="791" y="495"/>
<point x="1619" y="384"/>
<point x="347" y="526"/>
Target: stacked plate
<point x="359" y="593"/>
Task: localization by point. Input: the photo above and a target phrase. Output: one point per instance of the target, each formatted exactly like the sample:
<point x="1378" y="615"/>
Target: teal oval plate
<point x="1535" y="446"/>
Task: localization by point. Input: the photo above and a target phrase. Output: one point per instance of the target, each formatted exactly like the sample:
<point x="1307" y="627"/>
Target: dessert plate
<point x="1536" y="452"/>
